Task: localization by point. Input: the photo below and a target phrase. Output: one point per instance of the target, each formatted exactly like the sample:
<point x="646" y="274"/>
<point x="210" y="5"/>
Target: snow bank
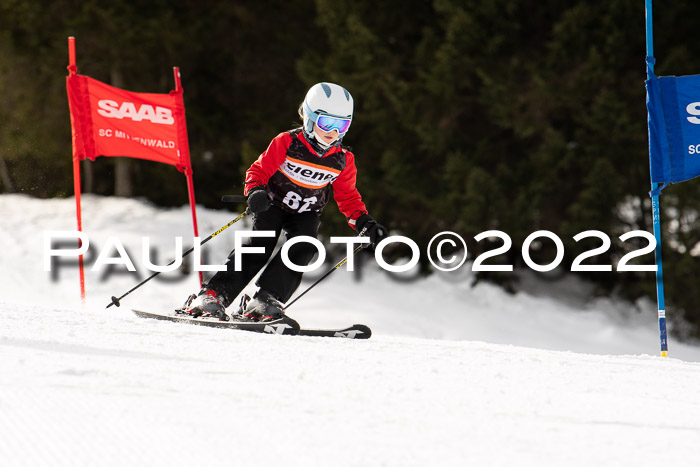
<point x="557" y="316"/>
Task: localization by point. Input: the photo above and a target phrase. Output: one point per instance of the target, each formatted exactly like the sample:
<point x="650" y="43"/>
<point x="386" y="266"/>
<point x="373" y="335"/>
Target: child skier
<point x="287" y="188"/>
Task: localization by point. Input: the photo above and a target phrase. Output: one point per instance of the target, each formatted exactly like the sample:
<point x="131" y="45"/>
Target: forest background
<point x="516" y="115"/>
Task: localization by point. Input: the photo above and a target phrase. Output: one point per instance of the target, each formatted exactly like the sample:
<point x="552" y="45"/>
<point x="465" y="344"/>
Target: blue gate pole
<point x="656" y="214"/>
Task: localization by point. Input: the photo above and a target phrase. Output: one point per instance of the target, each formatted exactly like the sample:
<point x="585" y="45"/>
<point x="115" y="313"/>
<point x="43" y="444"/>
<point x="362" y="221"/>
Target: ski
<point x="356" y="331"/>
<point x="285" y="325"/>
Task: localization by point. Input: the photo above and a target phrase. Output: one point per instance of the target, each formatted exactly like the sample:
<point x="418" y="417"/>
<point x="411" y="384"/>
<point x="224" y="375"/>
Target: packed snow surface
<point x="454" y="374"/>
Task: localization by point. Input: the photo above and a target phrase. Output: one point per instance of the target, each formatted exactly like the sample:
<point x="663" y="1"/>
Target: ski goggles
<point x="328" y="123"/>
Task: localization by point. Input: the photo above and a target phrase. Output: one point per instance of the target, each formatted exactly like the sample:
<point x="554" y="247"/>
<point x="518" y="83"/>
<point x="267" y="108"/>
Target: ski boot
<point x="206" y="304"/>
<point x="263" y="307"/>
<point x="240" y="313"/>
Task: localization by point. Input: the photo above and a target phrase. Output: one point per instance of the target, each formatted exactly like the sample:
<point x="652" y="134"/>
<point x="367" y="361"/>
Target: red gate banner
<point x="109" y="121"/>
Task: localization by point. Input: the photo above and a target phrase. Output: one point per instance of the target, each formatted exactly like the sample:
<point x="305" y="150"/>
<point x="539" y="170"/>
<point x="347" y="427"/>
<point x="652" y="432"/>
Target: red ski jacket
<point x="300" y="180"/>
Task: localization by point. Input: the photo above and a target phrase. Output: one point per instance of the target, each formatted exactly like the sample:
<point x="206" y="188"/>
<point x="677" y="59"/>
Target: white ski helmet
<point x="330" y="103"/>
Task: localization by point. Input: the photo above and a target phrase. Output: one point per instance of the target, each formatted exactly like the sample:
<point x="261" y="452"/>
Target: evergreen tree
<point x="489" y="114"/>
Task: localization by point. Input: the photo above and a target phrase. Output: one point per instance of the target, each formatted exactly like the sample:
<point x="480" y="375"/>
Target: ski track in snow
<point x="452" y="376"/>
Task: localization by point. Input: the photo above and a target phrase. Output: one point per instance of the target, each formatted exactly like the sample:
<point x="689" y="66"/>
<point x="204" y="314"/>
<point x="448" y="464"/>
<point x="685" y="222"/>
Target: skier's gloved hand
<point x="367" y="226"/>
<point x="258" y="201"/>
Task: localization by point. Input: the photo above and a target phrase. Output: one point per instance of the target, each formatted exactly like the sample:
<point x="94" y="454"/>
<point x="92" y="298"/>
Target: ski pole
<point x="337" y="266"/>
<point x="227" y="198"/>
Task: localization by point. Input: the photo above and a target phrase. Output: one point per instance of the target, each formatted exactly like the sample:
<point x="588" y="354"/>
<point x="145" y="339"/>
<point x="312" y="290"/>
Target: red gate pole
<point x="73" y="70"/>
<point x="188" y="171"/>
<point x="190" y="191"/>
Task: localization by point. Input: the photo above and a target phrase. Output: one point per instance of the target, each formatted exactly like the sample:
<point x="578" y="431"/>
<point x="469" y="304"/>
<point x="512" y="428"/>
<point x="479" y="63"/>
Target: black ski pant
<point x="277" y="278"/>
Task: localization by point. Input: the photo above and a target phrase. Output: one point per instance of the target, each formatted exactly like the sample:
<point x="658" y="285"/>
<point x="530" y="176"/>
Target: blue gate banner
<point x="674" y="127"/>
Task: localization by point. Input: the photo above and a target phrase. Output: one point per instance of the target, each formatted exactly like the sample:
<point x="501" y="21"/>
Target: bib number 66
<point x="297" y="203"/>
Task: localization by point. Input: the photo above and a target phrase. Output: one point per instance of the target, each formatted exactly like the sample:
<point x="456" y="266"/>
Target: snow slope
<point x="468" y="376"/>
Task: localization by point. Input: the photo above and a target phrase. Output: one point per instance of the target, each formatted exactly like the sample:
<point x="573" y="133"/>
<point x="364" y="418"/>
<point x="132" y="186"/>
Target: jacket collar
<point x="315" y="148"/>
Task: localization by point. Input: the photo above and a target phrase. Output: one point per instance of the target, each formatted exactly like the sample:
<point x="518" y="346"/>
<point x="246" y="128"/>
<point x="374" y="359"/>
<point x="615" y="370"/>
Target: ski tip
<point x="366" y="331"/>
<point x="356" y="331"/>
